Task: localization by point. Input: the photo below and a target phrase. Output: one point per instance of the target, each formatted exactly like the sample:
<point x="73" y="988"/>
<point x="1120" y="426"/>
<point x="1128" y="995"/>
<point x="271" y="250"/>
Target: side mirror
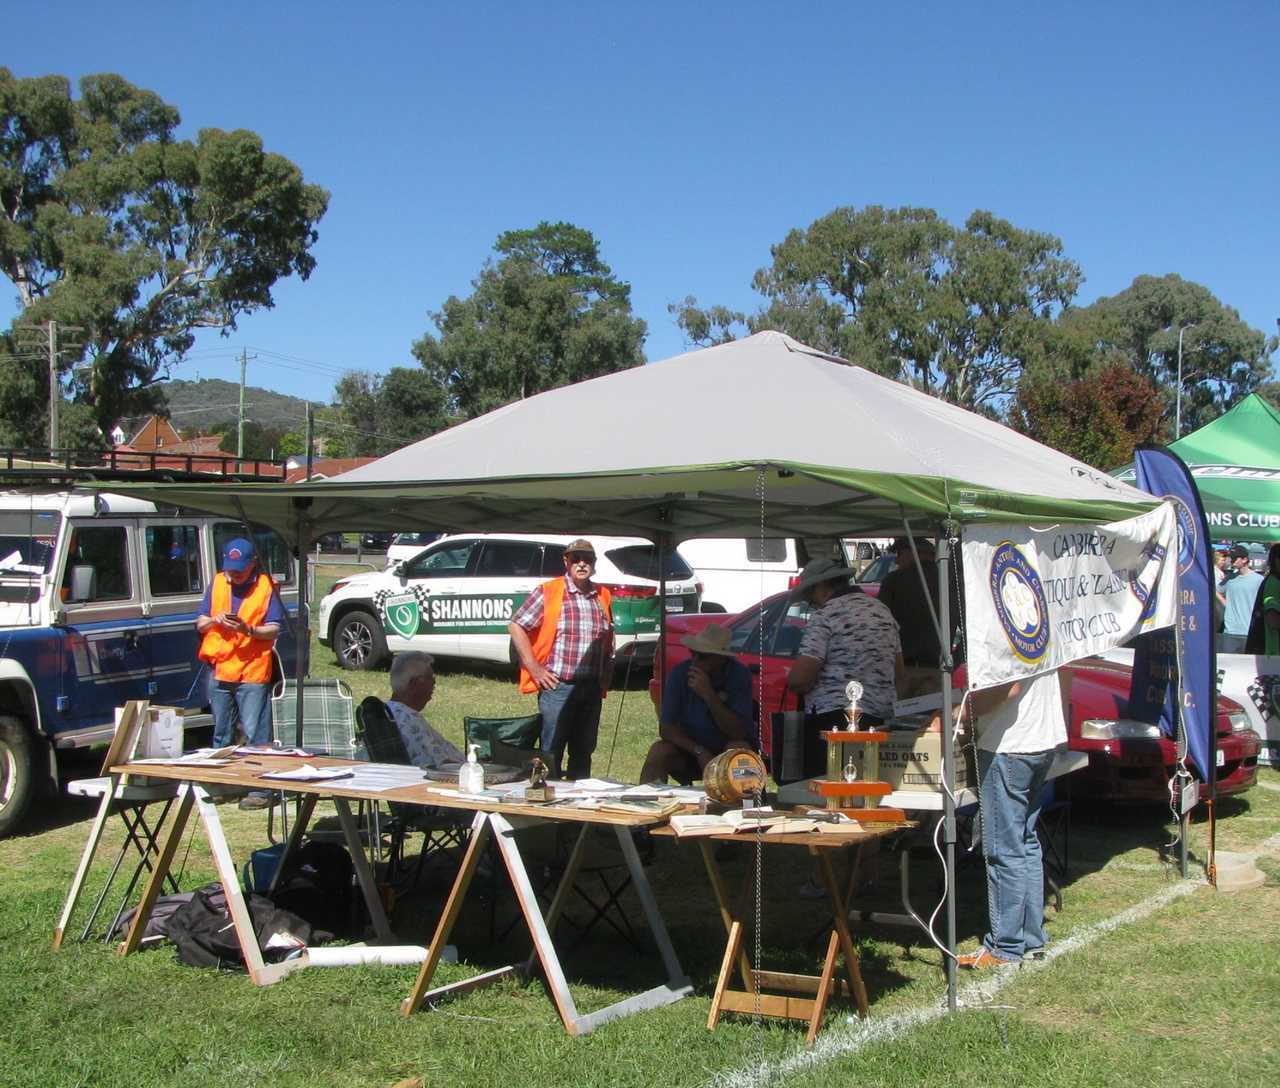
<point x="84" y="584"/>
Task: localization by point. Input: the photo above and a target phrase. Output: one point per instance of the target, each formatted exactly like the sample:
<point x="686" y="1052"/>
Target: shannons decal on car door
<point x="418" y="612"/>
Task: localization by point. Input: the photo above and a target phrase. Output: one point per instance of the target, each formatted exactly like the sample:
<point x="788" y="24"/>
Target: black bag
<point x="319" y="886"/>
<point x="157" y="927"/>
<point x="205" y="936"/>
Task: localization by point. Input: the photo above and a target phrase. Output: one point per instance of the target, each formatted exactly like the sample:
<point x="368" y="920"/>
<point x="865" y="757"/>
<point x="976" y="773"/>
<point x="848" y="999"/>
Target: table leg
<point x="155" y="883"/>
<point x="841" y="931"/>
<point x="564" y="889"/>
<point x="444" y="928"/>
<point x="363" y="873"/>
<point x="305" y="809"/>
<point x="231" y="890"/>
<point x="724" y="905"/>
<point x="86" y="859"/>
<point x="732" y="949"/>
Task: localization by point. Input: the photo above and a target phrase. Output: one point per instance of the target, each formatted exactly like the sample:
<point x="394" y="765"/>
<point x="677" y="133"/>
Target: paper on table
<point x="269" y="750"/>
<point x="308" y="773"/>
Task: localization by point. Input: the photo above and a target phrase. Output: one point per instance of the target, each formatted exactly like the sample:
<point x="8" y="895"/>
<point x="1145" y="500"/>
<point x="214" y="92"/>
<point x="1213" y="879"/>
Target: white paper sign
<point x="1037" y="597"/>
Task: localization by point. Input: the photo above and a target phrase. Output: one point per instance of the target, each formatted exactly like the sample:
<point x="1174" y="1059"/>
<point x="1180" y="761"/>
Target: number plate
<point x="1222" y="758"/>
<point x="676" y="604"/>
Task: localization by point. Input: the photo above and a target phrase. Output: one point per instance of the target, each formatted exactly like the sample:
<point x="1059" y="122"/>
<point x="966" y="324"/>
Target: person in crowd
<point x="563" y="634"/>
<point x="849" y="636"/>
<point x="239" y="621"/>
<point x="1241" y="592"/>
<point x="1264" y="628"/>
<point x="903" y="593"/>
<point x="706" y="708"/>
<point x="413" y="682"/>
<point x="1020" y="727"/>
<point x="1219" y="584"/>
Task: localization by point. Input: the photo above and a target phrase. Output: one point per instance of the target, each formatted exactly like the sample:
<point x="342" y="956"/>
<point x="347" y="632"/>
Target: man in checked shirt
<point x="563" y="633"/>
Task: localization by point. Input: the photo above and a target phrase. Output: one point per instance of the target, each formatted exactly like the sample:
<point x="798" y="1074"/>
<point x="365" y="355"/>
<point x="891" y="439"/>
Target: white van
<point x="736" y="572"/>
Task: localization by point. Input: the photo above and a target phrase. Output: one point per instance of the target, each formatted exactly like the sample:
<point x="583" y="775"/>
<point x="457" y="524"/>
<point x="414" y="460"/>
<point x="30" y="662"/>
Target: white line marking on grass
<point x="842" y="1041"/>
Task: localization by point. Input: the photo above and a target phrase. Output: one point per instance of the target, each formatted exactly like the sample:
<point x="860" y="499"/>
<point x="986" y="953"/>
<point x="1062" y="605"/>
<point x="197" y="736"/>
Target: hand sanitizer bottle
<point x="471" y="774"/>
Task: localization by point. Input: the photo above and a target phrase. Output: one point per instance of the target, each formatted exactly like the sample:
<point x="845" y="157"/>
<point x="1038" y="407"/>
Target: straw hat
<point x="817" y="571"/>
<point x="712" y="639"/>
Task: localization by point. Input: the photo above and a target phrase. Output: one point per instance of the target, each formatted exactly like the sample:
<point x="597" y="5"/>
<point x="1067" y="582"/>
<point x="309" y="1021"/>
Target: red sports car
<point x="1128" y="760"/>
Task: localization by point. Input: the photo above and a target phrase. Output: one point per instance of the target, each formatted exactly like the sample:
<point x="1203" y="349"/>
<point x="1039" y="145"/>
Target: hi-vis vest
<point x="552" y="604"/>
<point x="234" y="656"/>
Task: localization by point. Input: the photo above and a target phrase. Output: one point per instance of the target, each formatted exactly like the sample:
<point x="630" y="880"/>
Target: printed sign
<point x="401" y="614"/>
<point x="420" y="612"/>
<point x="1037" y="597"/>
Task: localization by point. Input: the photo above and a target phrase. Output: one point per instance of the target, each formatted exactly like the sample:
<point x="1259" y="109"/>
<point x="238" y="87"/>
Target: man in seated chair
<point x="706" y="708"/>
<point x="413" y="681"/>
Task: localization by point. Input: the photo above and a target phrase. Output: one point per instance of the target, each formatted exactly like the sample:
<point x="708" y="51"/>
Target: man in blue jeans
<point x="1020" y="727"/>
<point x="239" y="620"/>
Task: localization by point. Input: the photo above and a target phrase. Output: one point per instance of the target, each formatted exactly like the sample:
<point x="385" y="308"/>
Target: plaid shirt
<point x="584" y="637"/>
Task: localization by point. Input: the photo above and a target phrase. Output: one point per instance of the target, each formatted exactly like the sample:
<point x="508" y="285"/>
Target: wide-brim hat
<point x="712" y="639"/>
<point x="816" y="572"/>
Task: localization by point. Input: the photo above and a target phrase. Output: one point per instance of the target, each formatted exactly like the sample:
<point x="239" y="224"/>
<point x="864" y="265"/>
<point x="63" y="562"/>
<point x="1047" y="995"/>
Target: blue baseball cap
<point x="239" y="554"/>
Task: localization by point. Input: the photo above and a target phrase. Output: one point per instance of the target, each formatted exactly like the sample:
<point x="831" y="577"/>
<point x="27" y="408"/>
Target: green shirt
<point x="1271" y="603"/>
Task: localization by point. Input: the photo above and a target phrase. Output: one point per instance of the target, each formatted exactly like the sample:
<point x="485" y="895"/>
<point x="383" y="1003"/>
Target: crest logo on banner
<point x="1188" y="533"/>
<point x="1040" y="596"/>
<point x="1021" y="608"/>
<point x="402" y="614"/>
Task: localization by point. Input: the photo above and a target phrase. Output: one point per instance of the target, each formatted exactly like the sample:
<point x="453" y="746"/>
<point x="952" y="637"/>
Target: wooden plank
<point x="722" y="903"/>
<point x="731" y="948"/>
<point x="86" y="859"/>
<point x="849" y="789"/>
<point x="449" y="916"/>
<point x="364" y="875"/>
<point x="231" y="889"/>
<point x="862" y="736"/>
<point x="878" y="815"/>
<point x="466" y="985"/>
<point x="799" y="984"/>
<point x="840" y="921"/>
<point x="125" y="738"/>
<point x="155" y="883"/>
<point x="776" y="1005"/>
<point x="824" y="988"/>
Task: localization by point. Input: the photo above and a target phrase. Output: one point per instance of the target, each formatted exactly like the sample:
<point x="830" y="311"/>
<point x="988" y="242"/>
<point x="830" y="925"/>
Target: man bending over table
<point x="706" y="708"/>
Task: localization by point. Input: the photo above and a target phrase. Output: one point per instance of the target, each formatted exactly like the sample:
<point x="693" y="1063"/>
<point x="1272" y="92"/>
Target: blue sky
<point x="690" y="137"/>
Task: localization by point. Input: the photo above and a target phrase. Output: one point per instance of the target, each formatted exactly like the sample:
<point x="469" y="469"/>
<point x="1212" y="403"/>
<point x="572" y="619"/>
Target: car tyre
<point x="358" y="642"/>
<point x="17" y="772"/>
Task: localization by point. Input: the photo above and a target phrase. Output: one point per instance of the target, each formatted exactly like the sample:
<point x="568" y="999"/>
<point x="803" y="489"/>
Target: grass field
<point x="1187" y="995"/>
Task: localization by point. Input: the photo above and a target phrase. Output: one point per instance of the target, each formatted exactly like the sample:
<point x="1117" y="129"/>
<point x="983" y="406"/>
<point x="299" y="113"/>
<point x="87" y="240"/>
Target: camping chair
<point x="328" y="724"/>
<point x="441" y="828"/>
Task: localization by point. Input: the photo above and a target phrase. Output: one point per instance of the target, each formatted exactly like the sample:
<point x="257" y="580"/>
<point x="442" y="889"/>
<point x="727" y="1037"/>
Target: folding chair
<point x="328" y="725"/>
<point x="441" y="829"/>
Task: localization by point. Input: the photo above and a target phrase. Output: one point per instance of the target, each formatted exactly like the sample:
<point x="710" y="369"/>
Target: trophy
<point x="853" y="692"/>
<point x="537" y="790"/>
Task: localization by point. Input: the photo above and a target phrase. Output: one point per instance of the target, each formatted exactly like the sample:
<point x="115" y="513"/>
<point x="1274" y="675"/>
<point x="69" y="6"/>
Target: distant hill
<point x="197" y="406"/>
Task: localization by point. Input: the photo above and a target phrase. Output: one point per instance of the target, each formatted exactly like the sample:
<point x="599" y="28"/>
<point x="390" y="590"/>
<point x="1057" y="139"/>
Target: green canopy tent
<point x="760" y="436"/>
<point x="1235" y="462"/>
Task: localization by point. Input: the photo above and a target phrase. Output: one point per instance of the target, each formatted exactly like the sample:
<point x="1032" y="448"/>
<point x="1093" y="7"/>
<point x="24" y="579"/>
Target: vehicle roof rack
<point x="35" y="465"/>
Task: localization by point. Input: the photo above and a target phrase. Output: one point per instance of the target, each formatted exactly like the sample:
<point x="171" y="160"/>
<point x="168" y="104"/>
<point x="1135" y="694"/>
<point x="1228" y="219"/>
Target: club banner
<point x="1037" y="597"/>
<point x="1158" y="690"/>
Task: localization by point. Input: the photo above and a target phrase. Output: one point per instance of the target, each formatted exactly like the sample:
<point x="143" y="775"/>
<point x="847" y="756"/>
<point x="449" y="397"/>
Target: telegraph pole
<point x="244" y="358"/>
<point x="310" y="439"/>
<point x="51" y="331"/>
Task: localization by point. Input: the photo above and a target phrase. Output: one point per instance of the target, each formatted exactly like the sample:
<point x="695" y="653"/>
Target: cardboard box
<point x="912" y="760"/>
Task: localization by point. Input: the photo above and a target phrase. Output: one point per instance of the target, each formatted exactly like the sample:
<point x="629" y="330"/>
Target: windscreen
<point x="641" y="561"/>
<point x="27" y="542"/>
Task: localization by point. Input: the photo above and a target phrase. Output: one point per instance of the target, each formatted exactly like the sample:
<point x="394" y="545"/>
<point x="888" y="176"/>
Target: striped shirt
<point x="583" y="646"/>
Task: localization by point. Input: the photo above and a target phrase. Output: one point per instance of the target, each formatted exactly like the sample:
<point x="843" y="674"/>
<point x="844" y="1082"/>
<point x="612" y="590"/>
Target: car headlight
<point x="1122" y="729"/>
<point x="1239" y="721"/>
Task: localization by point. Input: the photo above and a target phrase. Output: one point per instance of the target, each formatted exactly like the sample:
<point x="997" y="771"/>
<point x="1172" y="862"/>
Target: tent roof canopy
<point x="710" y="443"/>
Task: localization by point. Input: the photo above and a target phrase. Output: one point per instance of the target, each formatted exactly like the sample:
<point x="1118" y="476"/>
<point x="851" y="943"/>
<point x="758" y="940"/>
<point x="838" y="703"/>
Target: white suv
<point x="456" y="597"/>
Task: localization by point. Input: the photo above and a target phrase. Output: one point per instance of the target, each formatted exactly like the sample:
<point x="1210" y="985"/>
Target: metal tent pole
<point x="948" y="760"/>
<point x="302" y="648"/>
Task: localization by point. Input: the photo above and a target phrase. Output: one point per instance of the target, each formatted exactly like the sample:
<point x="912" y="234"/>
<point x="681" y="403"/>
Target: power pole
<point x="53" y="353"/>
<point x="310" y="439"/>
<point x="244" y="358"/>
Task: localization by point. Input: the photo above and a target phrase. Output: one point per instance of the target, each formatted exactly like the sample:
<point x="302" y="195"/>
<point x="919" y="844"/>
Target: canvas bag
<point x="203" y="932"/>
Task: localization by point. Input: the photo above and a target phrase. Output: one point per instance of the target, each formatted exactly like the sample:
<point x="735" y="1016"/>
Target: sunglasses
<point x="581" y="557"/>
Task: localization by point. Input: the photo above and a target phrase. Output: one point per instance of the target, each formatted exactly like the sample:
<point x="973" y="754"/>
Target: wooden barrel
<point x="733" y="775"/>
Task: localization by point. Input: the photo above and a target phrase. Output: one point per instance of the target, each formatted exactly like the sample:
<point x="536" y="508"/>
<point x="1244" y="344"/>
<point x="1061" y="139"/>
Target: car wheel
<point x="17" y="772"/>
<point x="358" y="642"/>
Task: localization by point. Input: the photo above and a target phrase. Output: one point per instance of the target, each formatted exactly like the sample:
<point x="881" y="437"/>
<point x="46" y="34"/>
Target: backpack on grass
<point x="205" y="936"/>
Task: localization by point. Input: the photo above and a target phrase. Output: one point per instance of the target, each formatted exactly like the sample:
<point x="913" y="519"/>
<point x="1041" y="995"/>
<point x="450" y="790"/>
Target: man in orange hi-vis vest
<point x="239" y="620"/>
<point x="563" y="633"/>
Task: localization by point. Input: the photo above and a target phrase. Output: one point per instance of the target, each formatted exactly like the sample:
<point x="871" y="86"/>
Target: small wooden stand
<point x="864" y="794"/>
